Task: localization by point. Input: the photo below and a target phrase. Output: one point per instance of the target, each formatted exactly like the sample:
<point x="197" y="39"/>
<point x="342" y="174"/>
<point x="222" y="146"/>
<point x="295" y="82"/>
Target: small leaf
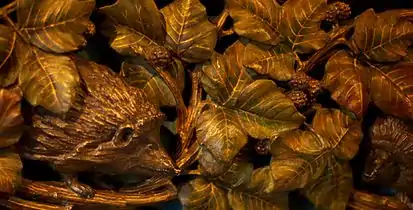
<point x="300" y="25"/>
<point x="391" y="90"/>
<point x="141" y="75"/>
<point x="348" y="81"/>
<point x="190" y="35"/>
<point x="383" y="37"/>
<point x="256" y="19"/>
<point x="10" y="167"/>
<point x="223" y="77"/>
<point x="49" y="80"/>
<point x="333" y="189"/>
<point x="200" y="194"/>
<point x="11" y="120"/>
<point x="55" y="26"/>
<point x="273" y="62"/>
<point x="7" y="40"/>
<point x="134" y="26"/>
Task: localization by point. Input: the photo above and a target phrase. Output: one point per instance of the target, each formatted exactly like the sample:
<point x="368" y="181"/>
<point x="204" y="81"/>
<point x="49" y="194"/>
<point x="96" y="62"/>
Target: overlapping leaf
<point x="141" y="75"/>
<point x="15" y="63"/>
<point x="7" y="40"/>
<point x="392" y="90"/>
<point x="190" y="35"/>
<point x="383" y="37"/>
<point x="55" y="26"/>
<point x="10" y="167"/>
<point x="256" y="19"/>
<point x="11" y="120"/>
<point x="348" y="82"/>
<point x="134" y="26"/>
<point x="300" y="24"/>
<point x="274" y="62"/>
<point x="301" y="157"/>
<point x="261" y="110"/>
<point x="49" y="80"/>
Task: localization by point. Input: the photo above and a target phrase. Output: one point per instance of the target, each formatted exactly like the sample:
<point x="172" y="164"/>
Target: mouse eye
<point x="124" y="135"/>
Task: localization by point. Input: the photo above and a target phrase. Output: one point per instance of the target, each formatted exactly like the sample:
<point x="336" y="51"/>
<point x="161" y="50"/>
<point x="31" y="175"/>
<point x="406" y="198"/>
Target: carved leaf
<point x="256" y="19"/>
<point x="10" y="167"/>
<point x="243" y="201"/>
<point x="11" y="120"/>
<point x="190" y="35"/>
<point x="7" y="40"/>
<point x="12" y="68"/>
<point x="133" y="26"/>
<point x="300" y="24"/>
<point x="49" y="80"/>
<point x="348" y="82"/>
<point x="261" y="110"/>
<point x="391" y="90"/>
<point x="55" y="26"/>
<point x="273" y="62"/>
<point x="333" y="189"/>
<point x="142" y="75"/>
<point x="383" y="37"/>
<point x="200" y="194"/>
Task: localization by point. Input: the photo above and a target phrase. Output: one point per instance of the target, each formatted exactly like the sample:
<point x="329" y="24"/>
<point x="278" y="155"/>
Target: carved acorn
<point x="112" y="128"/>
<point x="390" y="161"/>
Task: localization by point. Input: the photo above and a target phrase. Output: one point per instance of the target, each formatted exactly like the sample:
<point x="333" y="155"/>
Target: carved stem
<point x="9" y="8"/>
<point x="57" y="192"/>
<point x="18" y="203"/>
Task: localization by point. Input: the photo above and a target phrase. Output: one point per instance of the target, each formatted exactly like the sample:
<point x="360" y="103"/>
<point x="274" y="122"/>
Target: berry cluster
<point x="304" y="90"/>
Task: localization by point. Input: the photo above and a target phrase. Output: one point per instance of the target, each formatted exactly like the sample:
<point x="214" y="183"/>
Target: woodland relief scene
<point x="206" y="104"/>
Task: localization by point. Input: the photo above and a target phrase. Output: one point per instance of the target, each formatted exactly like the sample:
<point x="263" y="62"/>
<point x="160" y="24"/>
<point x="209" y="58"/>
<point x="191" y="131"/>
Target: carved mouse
<point x="112" y="128"/>
<point x="390" y="161"/>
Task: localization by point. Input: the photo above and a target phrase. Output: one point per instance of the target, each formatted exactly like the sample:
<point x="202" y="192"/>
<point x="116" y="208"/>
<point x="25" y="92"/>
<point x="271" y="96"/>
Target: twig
<point x="18" y="203"/>
<point x="57" y="192"/>
<point x="9" y="8"/>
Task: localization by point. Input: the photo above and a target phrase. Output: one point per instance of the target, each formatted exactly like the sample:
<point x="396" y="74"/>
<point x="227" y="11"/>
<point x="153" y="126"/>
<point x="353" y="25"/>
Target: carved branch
<point x="9" y="8"/>
<point x="18" y="203"/>
<point x="57" y="192"/>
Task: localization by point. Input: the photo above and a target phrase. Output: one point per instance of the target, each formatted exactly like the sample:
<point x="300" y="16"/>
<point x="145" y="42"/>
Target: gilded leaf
<point x="243" y="201"/>
<point x="223" y="77"/>
<point x="348" y="82"/>
<point x="10" y="167"/>
<point x="383" y="37"/>
<point x="273" y="62"/>
<point x="261" y="110"/>
<point x="7" y="40"/>
<point x="189" y="33"/>
<point x="133" y="26"/>
<point x="300" y="24"/>
<point x="55" y="26"/>
<point x="256" y="19"/>
<point x="299" y="157"/>
<point x="11" y="120"/>
<point x="200" y="194"/>
<point x="15" y="63"/>
<point x="392" y="90"/>
<point x="143" y="76"/>
<point x="49" y="80"/>
<point x="333" y="189"/>
<point x="238" y="174"/>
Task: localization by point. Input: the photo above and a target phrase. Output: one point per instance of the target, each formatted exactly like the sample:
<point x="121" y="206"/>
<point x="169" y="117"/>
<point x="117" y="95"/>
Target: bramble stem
<point x="9" y="8"/>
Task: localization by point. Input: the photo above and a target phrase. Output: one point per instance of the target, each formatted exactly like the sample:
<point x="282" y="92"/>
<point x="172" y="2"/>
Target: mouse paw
<point x="83" y="190"/>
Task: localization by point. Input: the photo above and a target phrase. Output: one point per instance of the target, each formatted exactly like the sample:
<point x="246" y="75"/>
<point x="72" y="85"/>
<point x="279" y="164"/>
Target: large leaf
<point x="392" y="90"/>
<point x="11" y="120"/>
<point x="273" y="62"/>
<point x="223" y="77"/>
<point x="300" y="157"/>
<point x="261" y="110"/>
<point x="49" y="80"/>
<point x="383" y="37"/>
<point x="244" y="201"/>
<point x="300" y="24"/>
<point x="55" y="26"/>
<point x="256" y="19"/>
<point x="133" y="26"/>
<point x="7" y="40"/>
<point x="10" y="167"/>
<point x="201" y="194"/>
<point x="190" y="35"/>
<point x="332" y="190"/>
<point x="348" y="82"/>
<point x="142" y="75"/>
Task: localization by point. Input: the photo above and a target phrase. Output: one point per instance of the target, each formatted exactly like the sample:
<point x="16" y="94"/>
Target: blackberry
<point x="91" y="30"/>
<point x="313" y="90"/>
<point x="159" y="57"/>
<point x="298" y="97"/>
<point x="299" y="81"/>
<point x="262" y="147"/>
<point x="337" y="11"/>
